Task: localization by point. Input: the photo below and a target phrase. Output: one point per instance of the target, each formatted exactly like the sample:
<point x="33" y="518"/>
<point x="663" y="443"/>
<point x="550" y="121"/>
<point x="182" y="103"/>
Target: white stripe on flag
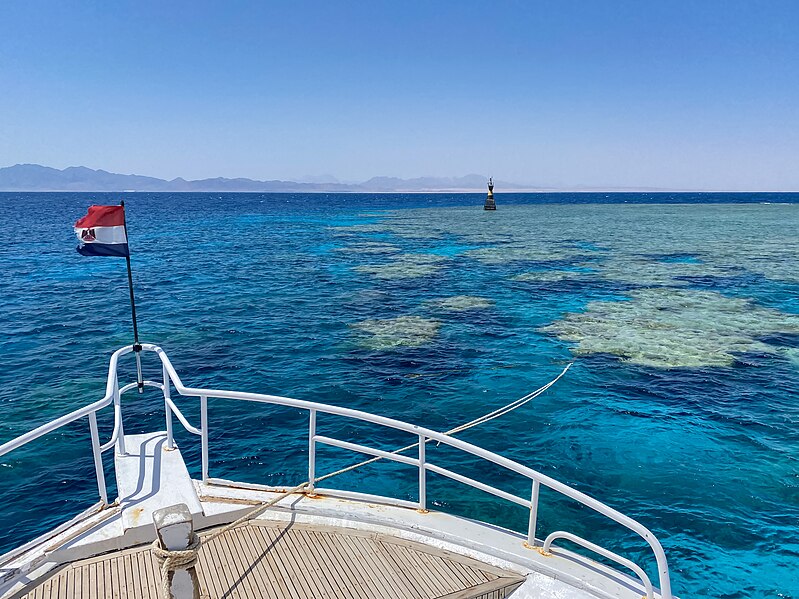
<point x="102" y="234"/>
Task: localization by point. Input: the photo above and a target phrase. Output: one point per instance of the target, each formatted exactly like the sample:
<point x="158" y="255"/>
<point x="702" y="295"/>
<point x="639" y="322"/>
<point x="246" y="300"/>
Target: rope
<point x="171" y="560"/>
<point x="472" y="423"/>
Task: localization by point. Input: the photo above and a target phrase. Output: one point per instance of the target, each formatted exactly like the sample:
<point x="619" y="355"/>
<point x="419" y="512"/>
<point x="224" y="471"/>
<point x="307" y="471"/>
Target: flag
<point x="102" y="232"/>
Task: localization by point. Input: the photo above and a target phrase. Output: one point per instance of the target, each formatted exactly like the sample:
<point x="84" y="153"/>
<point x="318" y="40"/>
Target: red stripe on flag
<point x="102" y="216"/>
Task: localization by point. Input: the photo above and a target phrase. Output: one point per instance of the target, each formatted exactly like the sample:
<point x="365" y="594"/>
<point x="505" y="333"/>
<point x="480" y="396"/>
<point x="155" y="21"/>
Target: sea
<point x="679" y="312"/>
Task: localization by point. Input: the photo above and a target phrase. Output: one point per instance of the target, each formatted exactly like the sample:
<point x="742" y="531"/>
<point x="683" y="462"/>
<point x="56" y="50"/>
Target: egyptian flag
<point x="102" y="232"/>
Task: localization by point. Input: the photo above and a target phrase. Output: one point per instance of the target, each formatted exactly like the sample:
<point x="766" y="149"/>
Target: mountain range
<point x="34" y="177"/>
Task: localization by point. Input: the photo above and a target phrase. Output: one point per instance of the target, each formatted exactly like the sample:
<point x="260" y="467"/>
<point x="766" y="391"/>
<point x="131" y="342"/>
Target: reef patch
<point x="551" y="276"/>
<point x="405" y="266"/>
<point x="391" y="333"/>
<point x="462" y="303"/>
<point x="665" y="327"/>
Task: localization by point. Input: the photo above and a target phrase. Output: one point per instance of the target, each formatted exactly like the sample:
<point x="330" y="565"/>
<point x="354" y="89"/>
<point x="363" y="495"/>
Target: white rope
<point x="511" y="406"/>
<point x="485" y="418"/>
<point x="186" y="558"/>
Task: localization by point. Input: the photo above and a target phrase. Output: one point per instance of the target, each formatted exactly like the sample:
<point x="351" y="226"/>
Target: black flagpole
<point x="136" y="344"/>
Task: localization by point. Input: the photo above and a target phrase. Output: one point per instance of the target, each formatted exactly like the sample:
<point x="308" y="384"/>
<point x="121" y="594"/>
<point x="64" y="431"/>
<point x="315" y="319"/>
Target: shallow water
<point x="681" y="409"/>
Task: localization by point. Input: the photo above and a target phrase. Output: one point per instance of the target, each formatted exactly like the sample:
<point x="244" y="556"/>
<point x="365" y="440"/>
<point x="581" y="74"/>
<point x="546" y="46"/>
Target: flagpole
<point x="136" y="344"/>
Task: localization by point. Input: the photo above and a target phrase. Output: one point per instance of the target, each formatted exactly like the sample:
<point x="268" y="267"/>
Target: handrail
<point x="49" y="427"/>
<point x="562" y="534"/>
<point x="605" y="510"/>
<point x="112" y="395"/>
<point x="367" y="450"/>
<point x="182" y="418"/>
<point x="424" y="434"/>
<point x="110" y="391"/>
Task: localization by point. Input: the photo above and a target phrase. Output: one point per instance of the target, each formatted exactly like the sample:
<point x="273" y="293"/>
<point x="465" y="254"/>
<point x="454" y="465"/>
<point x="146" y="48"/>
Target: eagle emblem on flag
<point x="102" y="232"/>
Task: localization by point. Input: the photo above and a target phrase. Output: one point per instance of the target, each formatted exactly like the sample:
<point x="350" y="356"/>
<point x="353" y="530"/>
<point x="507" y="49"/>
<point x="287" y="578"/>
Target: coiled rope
<point x="169" y="561"/>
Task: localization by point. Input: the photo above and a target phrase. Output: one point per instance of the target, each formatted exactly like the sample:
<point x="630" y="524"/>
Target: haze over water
<point x="680" y="311"/>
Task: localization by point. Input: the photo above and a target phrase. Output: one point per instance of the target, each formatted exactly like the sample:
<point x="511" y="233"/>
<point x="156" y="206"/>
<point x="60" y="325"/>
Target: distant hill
<point x="34" y="177"/>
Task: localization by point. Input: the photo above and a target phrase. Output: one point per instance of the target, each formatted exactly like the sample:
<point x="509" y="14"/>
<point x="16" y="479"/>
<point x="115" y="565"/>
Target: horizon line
<point x="413" y="192"/>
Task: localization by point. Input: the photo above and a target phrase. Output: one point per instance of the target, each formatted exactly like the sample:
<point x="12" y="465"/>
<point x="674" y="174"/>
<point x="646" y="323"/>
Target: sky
<point x="672" y="94"/>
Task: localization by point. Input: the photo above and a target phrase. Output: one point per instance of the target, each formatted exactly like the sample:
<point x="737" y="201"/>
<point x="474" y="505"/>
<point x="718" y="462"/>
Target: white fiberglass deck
<point x="290" y="561"/>
<point x="150" y="478"/>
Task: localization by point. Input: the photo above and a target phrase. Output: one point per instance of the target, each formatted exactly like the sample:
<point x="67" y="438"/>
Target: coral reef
<point x="668" y="328"/>
<point x="404" y="331"/>
<point x="461" y="303"/>
<point x="405" y="266"/>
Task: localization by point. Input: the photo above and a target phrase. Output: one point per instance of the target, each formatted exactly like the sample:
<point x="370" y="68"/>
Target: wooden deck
<point x="291" y="561"/>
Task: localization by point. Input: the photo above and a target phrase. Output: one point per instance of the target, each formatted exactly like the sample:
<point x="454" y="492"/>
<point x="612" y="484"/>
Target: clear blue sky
<point x="675" y="94"/>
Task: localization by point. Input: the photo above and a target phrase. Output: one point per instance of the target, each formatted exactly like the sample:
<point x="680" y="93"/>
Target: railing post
<point x="98" y="458"/>
<point x="533" y="514"/>
<point x="170" y="442"/>
<point x="204" y="428"/>
<point x="422" y="476"/>
<point x="118" y="416"/>
<point x="311" y="450"/>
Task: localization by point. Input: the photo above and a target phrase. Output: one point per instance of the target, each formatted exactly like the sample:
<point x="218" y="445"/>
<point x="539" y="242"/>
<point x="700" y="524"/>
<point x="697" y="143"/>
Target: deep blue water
<point x="277" y="293"/>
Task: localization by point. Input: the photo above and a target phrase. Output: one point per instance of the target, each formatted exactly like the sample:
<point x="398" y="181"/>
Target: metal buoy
<point x="490" y="204"/>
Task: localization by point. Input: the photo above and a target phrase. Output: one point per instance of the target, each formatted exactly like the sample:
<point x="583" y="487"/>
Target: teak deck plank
<point x="333" y="572"/>
<point x="345" y="578"/>
<point x="361" y="573"/>
<point x="400" y="585"/>
<point x="304" y="580"/>
<point x="245" y="573"/>
<point x="288" y="561"/>
<point x="270" y="571"/>
<point x="419" y="574"/>
<point x="417" y="590"/>
<point x="279" y="566"/>
<point x="298" y="546"/>
<point x="210" y="573"/>
<point x="254" y="558"/>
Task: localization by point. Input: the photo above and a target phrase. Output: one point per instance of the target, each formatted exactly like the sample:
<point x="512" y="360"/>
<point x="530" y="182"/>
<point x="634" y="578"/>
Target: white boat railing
<point x="424" y="435"/>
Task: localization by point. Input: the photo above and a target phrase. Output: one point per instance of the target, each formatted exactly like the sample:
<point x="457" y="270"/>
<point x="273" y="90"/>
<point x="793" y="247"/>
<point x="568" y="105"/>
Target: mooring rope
<point x="472" y="423"/>
<point x="186" y="558"/>
<point x="169" y="561"/>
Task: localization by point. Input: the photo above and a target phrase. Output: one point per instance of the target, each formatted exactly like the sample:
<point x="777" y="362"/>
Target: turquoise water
<point x="682" y="318"/>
